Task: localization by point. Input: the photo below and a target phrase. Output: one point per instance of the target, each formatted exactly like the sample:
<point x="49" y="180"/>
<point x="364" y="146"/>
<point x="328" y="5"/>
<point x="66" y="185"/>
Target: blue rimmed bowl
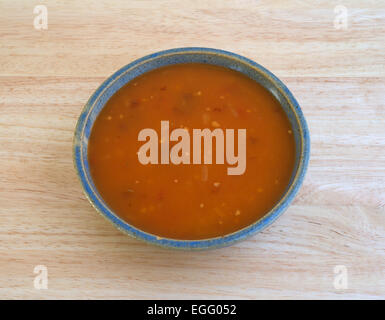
<point x="188" y="55"/>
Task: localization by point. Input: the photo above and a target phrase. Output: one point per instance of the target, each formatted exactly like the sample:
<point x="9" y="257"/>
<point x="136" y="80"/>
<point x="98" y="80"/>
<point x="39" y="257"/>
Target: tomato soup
<point x="190" y="200"/>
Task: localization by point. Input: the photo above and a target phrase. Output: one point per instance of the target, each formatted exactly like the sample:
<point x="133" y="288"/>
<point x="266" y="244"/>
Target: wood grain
<point x="338" y="218"/>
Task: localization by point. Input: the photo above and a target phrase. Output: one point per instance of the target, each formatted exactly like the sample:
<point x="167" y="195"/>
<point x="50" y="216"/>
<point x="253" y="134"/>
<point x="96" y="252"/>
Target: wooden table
<point x="338" y="218"/>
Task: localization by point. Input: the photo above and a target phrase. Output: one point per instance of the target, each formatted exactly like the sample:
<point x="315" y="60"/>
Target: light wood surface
<point x="338" y="218"/>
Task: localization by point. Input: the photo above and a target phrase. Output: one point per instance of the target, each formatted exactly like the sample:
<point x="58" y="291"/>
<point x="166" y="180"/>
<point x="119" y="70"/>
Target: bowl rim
<point x="209" y="243"/>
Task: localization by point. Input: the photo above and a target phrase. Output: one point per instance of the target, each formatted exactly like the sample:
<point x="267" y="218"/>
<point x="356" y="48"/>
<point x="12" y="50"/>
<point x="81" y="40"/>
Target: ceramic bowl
<point x="186" y="55"/>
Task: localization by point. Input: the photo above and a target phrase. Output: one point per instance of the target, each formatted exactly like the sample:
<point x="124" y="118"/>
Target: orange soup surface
<point x="191" y="201"/>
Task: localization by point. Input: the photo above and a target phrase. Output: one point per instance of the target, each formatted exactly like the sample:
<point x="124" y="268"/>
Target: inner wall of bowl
<point x="128" y="73"/>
